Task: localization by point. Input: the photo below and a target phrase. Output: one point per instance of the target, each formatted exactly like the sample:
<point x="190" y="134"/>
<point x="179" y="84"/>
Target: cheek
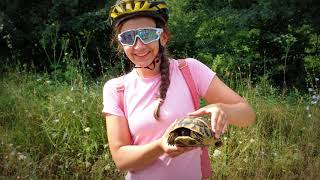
<point x="127" y="50"/>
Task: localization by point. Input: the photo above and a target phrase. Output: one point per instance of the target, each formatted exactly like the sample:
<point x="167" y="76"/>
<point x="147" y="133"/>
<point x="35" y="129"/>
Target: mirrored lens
<point x="147" y="35"/>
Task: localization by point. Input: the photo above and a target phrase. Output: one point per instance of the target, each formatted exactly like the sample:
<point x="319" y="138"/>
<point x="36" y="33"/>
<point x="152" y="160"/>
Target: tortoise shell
<point x="192" y="132"/>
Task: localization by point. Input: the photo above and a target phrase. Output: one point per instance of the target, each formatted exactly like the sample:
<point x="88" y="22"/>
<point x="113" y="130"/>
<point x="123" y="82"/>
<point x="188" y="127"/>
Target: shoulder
<point x="194" y="62"/>
<point x="114" y="84"/>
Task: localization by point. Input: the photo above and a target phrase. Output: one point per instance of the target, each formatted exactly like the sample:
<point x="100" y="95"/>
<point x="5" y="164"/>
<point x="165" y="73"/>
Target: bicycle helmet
<point x="125" y="9"/>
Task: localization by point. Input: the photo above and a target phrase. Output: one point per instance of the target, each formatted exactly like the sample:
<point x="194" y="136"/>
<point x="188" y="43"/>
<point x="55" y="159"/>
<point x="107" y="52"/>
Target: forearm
<point x="240" y="114"/>
<point x="135" y="157"/>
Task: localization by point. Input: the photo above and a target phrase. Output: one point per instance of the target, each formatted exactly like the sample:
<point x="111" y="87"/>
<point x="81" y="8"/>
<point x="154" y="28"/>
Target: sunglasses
<point x="146" y="35"/>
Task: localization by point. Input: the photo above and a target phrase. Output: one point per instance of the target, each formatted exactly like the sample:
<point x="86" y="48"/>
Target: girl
<point x="140" y="106"/>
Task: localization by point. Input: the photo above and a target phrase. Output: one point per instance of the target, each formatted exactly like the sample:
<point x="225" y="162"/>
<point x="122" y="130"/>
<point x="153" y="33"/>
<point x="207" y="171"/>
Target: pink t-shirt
<point x="139" y="104"/>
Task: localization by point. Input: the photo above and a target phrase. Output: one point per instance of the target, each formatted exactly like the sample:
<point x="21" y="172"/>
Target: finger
<point x="198" y="112"/>
<point x="219" y="125"/>
<point x="214" y="119"/>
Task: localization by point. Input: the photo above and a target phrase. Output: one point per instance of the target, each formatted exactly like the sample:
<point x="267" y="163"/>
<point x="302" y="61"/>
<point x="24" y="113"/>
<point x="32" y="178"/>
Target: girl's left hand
<point x="219" y="117"/>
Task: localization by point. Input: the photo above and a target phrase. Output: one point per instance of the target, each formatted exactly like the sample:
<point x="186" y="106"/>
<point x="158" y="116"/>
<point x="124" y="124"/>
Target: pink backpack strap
<point x="205" y="159"/>
<point x="183" y="66"/>
<point x="120" y="90"/>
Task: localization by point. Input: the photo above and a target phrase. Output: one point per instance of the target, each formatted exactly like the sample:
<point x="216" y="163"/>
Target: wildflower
<point x="71" y="89"/>
<point x="22" y="157"/>
<point x="314" y="97"/>
<point x="314" y="102"/>
<point x="317" y="79"/>
<point x="88" y="164"/>
<point x="225" y="138"/>
<point x="87" y="129"/>
<point x="56" y="120"/>
<point x="251" y="140"/>
<point x="107" y="167"/>
<point x="106" y="156"/>
<point x="12" y="153"/>
<point x="309" y="115"/>
<point x="48" y="82"/>
<point x="73" y="112"/>
<point x="308" y="108"/>
<point x="83" y="101"/>
<point x="217" y="153"/>
<point x="310" y="89"/>
<point x="39" y="79"/>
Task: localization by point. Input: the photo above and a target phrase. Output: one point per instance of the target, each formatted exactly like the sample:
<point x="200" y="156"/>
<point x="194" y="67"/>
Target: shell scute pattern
<point x="192" y="131"/>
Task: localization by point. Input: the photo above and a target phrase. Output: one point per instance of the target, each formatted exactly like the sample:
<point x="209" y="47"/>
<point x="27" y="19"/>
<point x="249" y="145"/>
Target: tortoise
<point x="192" y="132"/>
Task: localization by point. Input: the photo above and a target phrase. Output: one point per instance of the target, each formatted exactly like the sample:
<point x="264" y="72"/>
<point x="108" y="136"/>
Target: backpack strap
<point x="205" y="159"/>
<point x="184" y="68"/>
<point x="120" y="90"/>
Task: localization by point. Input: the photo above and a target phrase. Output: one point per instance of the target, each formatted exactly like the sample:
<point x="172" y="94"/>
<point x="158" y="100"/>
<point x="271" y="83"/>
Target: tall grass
<point x="54" y="129"/>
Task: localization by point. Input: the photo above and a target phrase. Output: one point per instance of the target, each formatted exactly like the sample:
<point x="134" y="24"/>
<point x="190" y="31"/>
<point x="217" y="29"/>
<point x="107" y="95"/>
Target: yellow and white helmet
<point x="125" y="9"/>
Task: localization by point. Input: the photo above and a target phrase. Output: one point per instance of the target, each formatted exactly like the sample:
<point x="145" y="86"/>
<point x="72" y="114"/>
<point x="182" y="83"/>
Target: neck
<point x="146" y="73"/>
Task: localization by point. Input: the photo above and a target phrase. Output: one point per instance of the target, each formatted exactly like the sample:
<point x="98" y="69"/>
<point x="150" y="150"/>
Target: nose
<point x="138" y="44"/>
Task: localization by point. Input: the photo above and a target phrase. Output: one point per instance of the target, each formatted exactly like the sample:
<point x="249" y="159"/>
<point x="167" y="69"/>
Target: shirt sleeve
<point x="201" y="74"/>
<point x="111" y="98"/>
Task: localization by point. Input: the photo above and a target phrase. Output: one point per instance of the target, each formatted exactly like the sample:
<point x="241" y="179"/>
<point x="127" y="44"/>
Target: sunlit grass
<point x="54" y="129"/>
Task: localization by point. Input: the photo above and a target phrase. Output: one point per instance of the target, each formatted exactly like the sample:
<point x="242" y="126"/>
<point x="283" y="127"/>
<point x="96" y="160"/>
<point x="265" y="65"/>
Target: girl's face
<point x="142" y="54"/>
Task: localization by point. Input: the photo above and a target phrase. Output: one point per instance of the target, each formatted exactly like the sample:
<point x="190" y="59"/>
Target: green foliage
<point x="257" y="38"/>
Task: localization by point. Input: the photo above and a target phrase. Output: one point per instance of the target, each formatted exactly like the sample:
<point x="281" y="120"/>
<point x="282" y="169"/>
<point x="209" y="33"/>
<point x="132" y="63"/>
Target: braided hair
<point x="165" y="80"/>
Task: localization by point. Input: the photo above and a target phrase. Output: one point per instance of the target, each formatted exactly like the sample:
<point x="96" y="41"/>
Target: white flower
<point x="48" y="82"/>
<point x="12" y="153"/>
<point x="22" y="157"/>
<point x="309" y="115"/>
<point x="251" y="140"/>
<point x="56" y="120"/>
<point x="217" y="153"/>
<point x="310" y="89"/>
<point x="83" y="101"/>
<point x="317" y="79"/>
<point x="88" y="164"/>
<point x="71" y="89"/>
<point x="308" y="108"/>
<point x="87" y="129"/>
<point x="73" y="112"/>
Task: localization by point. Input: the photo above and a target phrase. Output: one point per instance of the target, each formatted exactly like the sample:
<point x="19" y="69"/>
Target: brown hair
<point x="164" y="63"/>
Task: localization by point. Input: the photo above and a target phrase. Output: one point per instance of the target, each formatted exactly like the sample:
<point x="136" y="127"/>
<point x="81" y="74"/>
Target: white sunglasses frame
<point x="158" y="31"/>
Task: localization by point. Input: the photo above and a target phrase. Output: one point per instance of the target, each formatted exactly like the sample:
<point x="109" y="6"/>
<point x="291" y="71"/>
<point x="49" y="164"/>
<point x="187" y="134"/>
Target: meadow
<point x="54" y="129"/>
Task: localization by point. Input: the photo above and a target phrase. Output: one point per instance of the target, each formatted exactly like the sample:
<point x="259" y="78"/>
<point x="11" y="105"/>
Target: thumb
<point x="198" y="112"/>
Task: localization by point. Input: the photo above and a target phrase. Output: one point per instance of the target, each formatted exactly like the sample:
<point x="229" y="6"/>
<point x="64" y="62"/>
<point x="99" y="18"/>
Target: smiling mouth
<point x="142" y="55"/>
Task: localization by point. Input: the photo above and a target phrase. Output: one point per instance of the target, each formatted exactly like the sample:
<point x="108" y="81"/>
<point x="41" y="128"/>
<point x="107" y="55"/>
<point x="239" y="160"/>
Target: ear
<point x="164" y="38"/>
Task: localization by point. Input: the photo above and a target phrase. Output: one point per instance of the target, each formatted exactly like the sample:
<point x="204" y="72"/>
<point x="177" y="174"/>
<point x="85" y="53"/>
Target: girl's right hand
<point x="172" y="150"/>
